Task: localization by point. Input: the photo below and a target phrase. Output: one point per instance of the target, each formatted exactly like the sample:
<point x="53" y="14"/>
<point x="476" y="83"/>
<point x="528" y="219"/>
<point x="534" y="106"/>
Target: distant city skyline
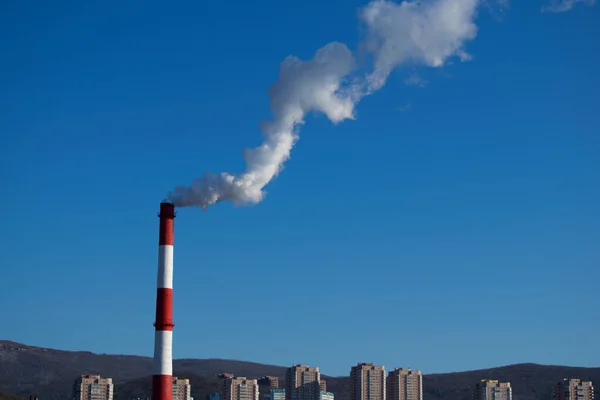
<point x="367" y="381"/>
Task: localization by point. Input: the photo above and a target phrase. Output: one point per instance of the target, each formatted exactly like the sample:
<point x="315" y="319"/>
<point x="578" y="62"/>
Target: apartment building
<point x="240" y="388"/>
<point x="225" y="377"/>
<point x="488" y="389"/>
<point x="93" y="387"/>
<point x="404" y="384"/>
<point x="302" y="383"/>
<point x="573" y="389"/>
<point x="323" y="385"/>
<point x="367" y="382"/>
<point x="265" y="385"/>
<point x="270" y="382"/>
<point x="181" y="388"/>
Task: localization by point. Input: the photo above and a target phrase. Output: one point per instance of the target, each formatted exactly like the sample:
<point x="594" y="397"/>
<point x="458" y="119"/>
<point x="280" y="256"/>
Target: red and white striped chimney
<point x="163" y="341"/>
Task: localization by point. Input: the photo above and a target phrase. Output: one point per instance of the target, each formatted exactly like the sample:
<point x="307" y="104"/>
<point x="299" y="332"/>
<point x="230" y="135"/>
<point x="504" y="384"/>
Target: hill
<point x="50" y="374"/>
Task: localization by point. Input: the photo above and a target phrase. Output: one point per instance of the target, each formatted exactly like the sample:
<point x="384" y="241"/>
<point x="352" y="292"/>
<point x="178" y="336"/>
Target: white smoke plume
<point x="418" y="33"/>
<point x="303" y="86"/>
<point x="558" y="6"/>
<point x="423" y="33"/>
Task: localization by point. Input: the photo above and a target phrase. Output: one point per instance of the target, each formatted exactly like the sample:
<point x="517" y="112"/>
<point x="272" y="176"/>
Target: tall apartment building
<point x="225" y="383"/>
<point x="573" y="389"/>
<point x="93" y="387"/>
<point x="367" y="382"/>
<point x="488" y="389"/>
<point x="239" y="388"/>
<point x="404" y="384"/>
<point x="302" y="383"/>
<point x="182" y="390"/>
<point x="265" y="385"/>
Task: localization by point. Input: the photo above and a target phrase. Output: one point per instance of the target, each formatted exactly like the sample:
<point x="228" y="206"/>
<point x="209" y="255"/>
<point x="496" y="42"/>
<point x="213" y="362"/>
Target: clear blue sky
<point x="461" y="233"/>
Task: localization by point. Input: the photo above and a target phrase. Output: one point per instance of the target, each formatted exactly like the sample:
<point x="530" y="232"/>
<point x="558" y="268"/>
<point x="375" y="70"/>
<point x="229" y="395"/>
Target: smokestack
<point x="163" y="340"/>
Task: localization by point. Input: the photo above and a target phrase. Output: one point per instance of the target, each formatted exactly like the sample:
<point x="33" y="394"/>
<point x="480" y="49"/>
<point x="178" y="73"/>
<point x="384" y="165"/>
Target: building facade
<point x="182" y="390"/>
<point x="367" y="382"/>
<point x="240" y="388"/>
<point x="270" y="382"/>
<point x="93" y="387"/>
<point x="488" y="389"/>
<point x="323" y="385"/>
<point x="404" y="384"/>
<point x="265" y="385"/>
<point x="277" y="394"/>
<point x="225" y="382"/>
<point x="302" y="383"/>
<point x="573" y="389"/>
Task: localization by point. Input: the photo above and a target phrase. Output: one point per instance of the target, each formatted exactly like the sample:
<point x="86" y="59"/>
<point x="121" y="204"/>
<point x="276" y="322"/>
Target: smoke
<point x="422" y="34"/>
<point x="425" y="33"/>
<point x="558" y="6"/>
<point x="303" y="86"/>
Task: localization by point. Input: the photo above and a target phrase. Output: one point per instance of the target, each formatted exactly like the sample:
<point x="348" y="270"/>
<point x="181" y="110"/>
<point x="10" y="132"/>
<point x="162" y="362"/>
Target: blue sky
<point x="451" y="226"/>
